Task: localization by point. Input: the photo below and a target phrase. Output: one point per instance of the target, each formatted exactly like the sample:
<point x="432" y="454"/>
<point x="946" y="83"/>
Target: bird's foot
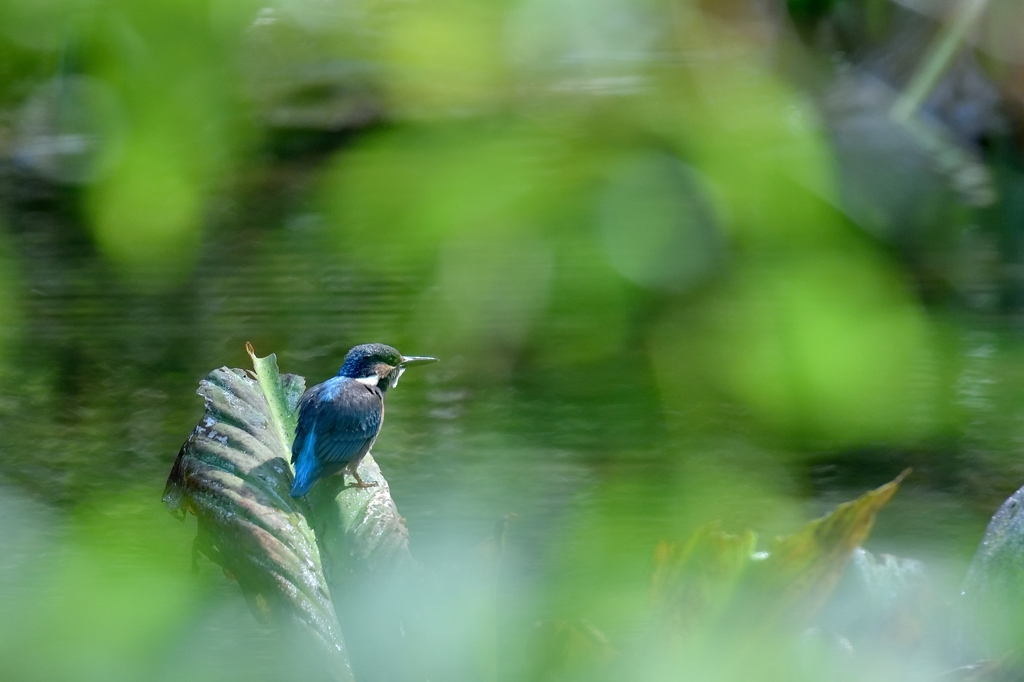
<point x="360" y="483"/>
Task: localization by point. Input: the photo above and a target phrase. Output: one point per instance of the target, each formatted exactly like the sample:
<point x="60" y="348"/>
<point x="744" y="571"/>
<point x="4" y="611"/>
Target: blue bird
<point x="340" y="418"/>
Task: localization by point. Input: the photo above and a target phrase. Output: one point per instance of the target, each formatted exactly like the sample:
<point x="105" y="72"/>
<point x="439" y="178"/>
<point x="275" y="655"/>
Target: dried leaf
<point x="715" y="578"/>
<point x="806" y="566"/>
<point x="695" y="580"/>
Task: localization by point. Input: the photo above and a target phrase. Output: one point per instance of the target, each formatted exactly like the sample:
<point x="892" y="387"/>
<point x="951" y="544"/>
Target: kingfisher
<point x="340" y="418"/>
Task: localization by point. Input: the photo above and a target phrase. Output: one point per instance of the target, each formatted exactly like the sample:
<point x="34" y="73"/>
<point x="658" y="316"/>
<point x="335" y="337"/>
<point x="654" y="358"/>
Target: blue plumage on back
<point x="307" y="469"/>
<point x="340" y="418"/>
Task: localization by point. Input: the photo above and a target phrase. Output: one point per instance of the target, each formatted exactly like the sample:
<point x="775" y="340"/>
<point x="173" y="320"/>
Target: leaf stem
<point x="269" y="378"/>
<point x="940" y="53"/>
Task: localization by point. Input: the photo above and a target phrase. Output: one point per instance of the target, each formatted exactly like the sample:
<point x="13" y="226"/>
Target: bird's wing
<point x="307" y="419"/>
<point x="347" y="421"/>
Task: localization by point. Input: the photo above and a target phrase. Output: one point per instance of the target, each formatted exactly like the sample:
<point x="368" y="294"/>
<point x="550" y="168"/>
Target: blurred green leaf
<point x="105" y="596"/>
<point x="822" y="345"/>
<point x="490" y="290"/>
<point x="444" y="56"/>
<point x="42" y="25"/>
<point x="570" y="650"/>
<point x="587" y="315"/>
<point x="755" y="138"/>
<point x="657" y="224"/>
<point x="184" y="127"/>
<point x="147" y="214"/>
<point x="454" y="181"/>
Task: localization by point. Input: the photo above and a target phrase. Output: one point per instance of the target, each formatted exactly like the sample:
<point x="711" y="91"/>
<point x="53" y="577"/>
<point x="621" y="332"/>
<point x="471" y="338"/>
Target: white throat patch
<point x="371" y="380"/>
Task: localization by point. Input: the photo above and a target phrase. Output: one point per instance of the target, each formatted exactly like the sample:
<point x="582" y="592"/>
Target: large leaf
<point x="359" y="528"/>
<point x="990" y="615"/>
<point x="365" y="546"/>
<point x="233" y="474"/>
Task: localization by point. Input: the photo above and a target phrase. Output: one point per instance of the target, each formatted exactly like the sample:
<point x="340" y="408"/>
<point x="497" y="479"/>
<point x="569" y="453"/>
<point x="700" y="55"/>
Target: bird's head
<point x="377" y="364"/>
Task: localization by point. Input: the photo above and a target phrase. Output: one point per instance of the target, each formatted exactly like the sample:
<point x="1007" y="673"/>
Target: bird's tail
<point x="307" y="469"/>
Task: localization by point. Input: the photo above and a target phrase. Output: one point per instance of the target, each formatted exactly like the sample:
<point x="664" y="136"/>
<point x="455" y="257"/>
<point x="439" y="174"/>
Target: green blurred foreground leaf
<point x="570" y="649"/>
<point x="699" y="583"/>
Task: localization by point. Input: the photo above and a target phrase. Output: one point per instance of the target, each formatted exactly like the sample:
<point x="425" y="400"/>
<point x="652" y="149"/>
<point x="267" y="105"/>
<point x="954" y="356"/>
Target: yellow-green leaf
<point x="694" y="580"/>
<point x="715" y="578"/>
<point x="806" y="566"/>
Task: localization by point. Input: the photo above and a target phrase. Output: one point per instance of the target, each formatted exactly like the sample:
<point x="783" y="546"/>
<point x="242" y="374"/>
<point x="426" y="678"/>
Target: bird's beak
<point x="409" y="360"/>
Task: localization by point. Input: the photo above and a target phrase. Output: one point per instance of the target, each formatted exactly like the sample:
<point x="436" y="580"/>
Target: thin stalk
<point x="269" y="378"/>
<point x="940" y="53"/>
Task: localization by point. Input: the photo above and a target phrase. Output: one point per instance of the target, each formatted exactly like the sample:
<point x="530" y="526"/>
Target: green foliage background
<point x="681" y="265"/>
